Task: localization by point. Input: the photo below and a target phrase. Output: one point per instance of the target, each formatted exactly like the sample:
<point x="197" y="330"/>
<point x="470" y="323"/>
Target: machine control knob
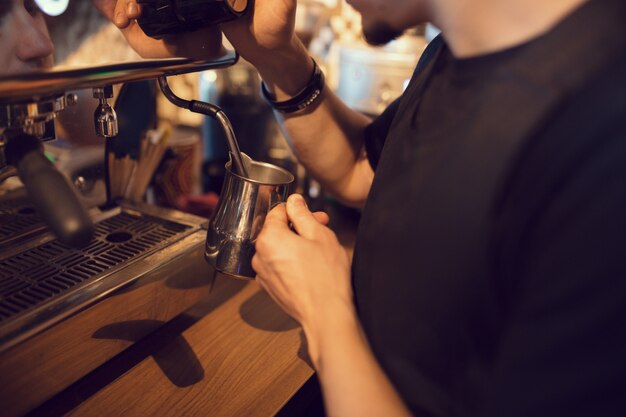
<point x="105" y="118"/>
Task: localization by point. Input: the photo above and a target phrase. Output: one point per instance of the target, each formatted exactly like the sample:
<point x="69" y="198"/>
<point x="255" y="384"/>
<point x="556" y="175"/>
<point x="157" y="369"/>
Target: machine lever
<point x="50" y="192"/>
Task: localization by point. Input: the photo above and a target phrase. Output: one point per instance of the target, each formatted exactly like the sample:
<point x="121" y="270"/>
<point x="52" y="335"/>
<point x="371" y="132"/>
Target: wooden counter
<point x="235" y="354"/>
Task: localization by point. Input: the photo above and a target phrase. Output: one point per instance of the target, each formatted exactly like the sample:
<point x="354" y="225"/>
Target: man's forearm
<point x="327" y="137"/>
<point x="352" y="381"/>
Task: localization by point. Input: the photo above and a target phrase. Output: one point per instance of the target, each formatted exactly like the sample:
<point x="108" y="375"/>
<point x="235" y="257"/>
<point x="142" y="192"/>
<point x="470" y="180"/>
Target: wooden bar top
<point x="235" y="354"/>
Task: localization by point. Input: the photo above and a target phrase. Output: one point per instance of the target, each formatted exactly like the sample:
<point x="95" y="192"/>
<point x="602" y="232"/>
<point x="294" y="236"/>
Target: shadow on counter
<point x="307" y="402"/>
<point x="165" y="344"/>
<point x="176" y="358"/>
<point x="274" y="318"/>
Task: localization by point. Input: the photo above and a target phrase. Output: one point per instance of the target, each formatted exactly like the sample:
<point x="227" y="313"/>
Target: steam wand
<point x="214" y="111"/>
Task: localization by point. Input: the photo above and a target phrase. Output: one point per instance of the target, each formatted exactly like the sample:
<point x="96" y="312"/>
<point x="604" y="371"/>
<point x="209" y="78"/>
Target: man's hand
<point x="267" y="29"/>
<point x="308" y="272"/>
<point x="202" y="44"/>
<point x="265" y="36"/>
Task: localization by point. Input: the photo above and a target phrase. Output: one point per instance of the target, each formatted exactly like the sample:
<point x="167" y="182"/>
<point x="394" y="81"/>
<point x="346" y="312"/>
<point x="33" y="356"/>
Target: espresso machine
<point x="68" y="273"/>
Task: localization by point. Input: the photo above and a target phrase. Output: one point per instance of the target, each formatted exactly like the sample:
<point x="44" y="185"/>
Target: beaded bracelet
<point x="303" y="99"/>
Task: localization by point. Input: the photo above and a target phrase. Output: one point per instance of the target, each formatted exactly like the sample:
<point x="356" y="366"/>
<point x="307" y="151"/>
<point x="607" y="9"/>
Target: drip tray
<point x="65" y="311"/>
<point x="36" y="275"/>
<point x="18" y="218"/>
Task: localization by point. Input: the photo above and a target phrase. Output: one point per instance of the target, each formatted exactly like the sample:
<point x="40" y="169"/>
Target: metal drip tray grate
<point x="18" y="217"/>
<point x="36" y="275"/>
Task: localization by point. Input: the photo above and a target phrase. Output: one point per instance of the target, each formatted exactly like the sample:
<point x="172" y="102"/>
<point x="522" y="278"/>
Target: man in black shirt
<point x="490" y="270"/>
<point x="511" y="271"/>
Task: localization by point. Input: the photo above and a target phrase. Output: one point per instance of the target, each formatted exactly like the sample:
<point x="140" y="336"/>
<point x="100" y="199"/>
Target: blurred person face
<point x="25" y="43"/>
<point x="385" y="20"/>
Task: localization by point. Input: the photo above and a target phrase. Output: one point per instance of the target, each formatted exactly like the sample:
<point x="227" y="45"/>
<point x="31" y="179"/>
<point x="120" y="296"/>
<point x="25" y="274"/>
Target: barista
<point x="489" y="270"/>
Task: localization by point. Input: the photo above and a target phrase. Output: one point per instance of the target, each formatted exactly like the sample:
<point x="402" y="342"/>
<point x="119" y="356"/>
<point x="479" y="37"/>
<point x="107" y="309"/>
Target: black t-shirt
<point x="490" y="267"/>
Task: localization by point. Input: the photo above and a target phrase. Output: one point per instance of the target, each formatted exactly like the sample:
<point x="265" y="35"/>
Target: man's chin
<point x="380" y="33"/>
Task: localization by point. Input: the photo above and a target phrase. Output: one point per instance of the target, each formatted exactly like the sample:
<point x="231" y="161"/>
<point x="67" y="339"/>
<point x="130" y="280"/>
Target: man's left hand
<point x="307" y="272"/>
<point x="202" y="44"/>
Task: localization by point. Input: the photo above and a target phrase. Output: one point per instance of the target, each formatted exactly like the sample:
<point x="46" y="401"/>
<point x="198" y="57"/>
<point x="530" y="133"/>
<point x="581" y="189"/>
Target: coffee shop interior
<point x="120" y="291"/>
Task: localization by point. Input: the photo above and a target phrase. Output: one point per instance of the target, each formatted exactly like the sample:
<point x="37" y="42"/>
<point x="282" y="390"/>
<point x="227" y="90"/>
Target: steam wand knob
<point x="104" y="117"/>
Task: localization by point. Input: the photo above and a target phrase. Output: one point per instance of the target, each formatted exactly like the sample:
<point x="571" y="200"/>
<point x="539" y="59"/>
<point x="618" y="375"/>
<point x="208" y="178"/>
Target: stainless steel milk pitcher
<point x="240" y="214"/>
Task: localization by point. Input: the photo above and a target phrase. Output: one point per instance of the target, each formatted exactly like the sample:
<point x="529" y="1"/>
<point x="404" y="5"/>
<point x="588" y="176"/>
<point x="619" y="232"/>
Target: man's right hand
<point x="203" y="44"/>
<point x="267" y="29"/>
<point x="265" y="36"/>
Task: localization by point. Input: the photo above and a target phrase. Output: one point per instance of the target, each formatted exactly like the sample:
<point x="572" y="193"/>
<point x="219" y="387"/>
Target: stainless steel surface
<point x="240" y="214"/>
<point x="50" y="345"/>
<point x="214" y="111"/>
<point x="36" y="85"/>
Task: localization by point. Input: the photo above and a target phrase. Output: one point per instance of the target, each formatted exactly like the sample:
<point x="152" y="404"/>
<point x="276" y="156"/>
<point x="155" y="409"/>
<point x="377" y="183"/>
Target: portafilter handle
<point x="50" y="192"/>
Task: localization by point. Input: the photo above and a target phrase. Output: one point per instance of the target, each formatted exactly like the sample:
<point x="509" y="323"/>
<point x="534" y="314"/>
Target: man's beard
<point x="380" y="33"/>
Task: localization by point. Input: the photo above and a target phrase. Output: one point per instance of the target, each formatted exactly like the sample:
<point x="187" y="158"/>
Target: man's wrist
<point x="286" y="73"/>
<point x="327" y="325"/>
<point x="303" y="99"/>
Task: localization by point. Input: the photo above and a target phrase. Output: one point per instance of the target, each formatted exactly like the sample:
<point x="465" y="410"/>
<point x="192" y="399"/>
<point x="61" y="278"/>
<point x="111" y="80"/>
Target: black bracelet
<point x="303" y="99"/>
